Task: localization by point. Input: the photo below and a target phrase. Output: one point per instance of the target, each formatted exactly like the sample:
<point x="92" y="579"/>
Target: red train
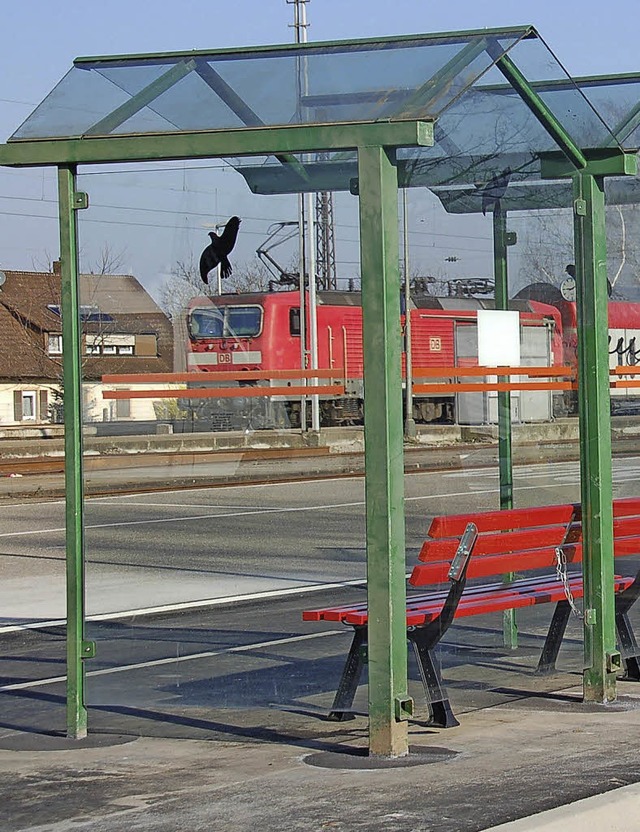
<point x="262" y="332"/>
<point x="624" y="338"/>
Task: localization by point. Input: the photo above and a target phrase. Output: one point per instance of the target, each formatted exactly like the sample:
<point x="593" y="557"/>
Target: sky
<point x="149" y="221"/>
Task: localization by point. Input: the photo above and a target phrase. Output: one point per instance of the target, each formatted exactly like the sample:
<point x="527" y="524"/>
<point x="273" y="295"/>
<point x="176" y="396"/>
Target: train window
<point x="206" y="323"/>
<point x="225" y="322"/>
<point x="243" y="321"/>
<point x="294" y="320"/>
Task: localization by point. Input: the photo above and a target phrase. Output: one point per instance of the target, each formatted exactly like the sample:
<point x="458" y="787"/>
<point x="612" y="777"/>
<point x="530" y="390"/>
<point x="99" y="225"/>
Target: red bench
<point x="484" y="545"/>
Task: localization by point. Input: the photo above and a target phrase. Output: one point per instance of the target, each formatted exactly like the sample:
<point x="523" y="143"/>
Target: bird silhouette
<point x="218" y="249"/>
<point x="495" y="189"/>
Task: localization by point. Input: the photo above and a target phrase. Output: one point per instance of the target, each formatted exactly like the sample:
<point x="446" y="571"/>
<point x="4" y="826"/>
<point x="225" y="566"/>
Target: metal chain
<point x="561" y="572"/>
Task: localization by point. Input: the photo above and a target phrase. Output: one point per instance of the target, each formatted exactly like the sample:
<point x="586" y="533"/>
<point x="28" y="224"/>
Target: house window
<point x="54" y="344"/>
<point x="24" y="405"/>
<point x="109" y="344"/>
<point x="29" y="405"/>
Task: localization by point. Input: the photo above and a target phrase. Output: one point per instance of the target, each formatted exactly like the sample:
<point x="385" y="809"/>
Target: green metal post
<point x="389" y="703"/>
<point x="72" y="384"/>
<point x="601" y="659"/>
<point x="505" y="456"/>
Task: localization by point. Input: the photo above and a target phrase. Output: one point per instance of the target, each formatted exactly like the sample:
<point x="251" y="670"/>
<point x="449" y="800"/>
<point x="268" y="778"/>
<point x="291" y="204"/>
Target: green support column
<point x="505" y="456"/>
<point x="601" y="658"/>
<point x="389" y="703"/>
<point x="77" y="648"/>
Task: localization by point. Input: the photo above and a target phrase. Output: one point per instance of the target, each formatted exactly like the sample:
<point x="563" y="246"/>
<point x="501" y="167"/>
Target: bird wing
<point x="229" y="235"/>
<point x="209" y="259"/>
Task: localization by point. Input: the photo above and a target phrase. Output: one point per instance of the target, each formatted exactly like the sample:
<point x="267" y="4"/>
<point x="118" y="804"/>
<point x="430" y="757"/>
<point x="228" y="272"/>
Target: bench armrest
<point x="461" y="558"/>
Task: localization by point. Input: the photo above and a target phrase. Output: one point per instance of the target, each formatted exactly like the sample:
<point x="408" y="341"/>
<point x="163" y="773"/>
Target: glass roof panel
<point x="499" y="98"/>
<point x="398" y="78"/>
<point x="617" y="99"/>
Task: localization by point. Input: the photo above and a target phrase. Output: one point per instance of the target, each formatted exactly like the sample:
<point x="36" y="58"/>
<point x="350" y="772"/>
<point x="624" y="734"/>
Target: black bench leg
<point x="628" y="646"/>
<point x="441" y="714"/>
<point x="350" y="677"/>
<point x="547" y="663"/>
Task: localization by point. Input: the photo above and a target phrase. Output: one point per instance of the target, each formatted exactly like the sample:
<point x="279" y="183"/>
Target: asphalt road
<point x="155" y="550"/>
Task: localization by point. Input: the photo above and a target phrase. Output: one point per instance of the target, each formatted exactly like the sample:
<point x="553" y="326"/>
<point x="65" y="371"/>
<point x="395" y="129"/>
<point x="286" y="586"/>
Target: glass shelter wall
<point x="458" y="79"/>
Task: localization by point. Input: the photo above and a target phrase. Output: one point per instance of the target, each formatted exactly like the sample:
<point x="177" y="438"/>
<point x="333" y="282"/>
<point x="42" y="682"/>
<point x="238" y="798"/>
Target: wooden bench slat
<point x="487" y="599"/>
<point x="498" y="603"/>
<point x="524" y="539"/>
<point x="495" y="521"/>
<point x="427" y="574"/>
<point x="493" y="544"/>
<point x="487" y="595"/>
<point x="626" y="526"/>
<point x="626" y="506"/>
<point x="523" y="517"/>
<point x="415" y="601"/>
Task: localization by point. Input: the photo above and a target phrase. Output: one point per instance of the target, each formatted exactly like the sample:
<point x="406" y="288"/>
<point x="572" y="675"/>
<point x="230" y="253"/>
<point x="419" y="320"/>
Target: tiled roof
<point x="26" y="321"/>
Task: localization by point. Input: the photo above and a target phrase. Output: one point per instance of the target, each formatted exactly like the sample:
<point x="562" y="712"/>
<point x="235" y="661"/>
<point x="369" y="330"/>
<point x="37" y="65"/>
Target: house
<point x="123" y="331"/>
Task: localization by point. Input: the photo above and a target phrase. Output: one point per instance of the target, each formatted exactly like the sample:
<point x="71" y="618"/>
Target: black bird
<point x="217" y="251"/>
<point x="495" y="189"/>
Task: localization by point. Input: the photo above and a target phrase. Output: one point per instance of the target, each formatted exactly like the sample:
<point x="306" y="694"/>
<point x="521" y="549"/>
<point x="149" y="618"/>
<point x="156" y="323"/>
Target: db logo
<point x="435" y="344"/>
<point x="224" y="358"/>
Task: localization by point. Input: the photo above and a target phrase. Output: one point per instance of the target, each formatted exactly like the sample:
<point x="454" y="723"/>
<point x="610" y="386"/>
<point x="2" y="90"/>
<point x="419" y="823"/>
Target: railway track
<point x="136" y="472"/>
<point x="162" y="471"/>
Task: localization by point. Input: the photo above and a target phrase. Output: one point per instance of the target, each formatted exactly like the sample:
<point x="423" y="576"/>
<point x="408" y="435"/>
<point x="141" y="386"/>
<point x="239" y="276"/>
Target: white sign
<point x="498" y="338"/>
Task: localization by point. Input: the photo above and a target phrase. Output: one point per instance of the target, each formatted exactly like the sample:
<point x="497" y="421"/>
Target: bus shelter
<point x="444" y="109"/>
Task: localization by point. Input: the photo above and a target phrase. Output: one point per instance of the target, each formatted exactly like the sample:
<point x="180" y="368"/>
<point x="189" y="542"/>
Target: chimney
<point x="56" y="267"/>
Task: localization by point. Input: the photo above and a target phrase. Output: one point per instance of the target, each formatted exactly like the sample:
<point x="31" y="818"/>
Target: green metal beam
<point x="250" y="141"/>
<point x="601" y="658"/>
<point x="601" y="161"/>
<point x="357" y="44"/>
<point x="505" y="456"/>
<point x="142" y="99"/>
<point x="539" y="109"/>
<point x="72" y="386"/>
<point x="389" y="702"/>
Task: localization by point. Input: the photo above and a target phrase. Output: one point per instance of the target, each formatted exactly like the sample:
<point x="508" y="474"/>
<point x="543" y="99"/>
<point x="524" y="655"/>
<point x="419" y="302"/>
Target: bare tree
<point x="185" y="283"/>
<point x="108" y="261"/>
<point x="547" y="247"/>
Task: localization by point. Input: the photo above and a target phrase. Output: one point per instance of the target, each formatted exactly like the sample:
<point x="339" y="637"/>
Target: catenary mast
<point x="305" y="206"/>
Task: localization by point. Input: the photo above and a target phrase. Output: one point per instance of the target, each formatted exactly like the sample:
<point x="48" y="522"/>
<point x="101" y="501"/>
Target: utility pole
<point x="306" y="210"/>
<point x="325" y="241"/>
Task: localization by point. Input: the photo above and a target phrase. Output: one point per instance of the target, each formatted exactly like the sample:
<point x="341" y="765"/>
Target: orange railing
<point x="626" y="371"/>
<point x="557" y="377"/>
<point x="557" y="372"/>
<point x="335" y="388"/>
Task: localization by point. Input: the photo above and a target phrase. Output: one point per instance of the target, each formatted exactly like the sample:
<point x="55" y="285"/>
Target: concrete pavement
<point x="209" y="769"/>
